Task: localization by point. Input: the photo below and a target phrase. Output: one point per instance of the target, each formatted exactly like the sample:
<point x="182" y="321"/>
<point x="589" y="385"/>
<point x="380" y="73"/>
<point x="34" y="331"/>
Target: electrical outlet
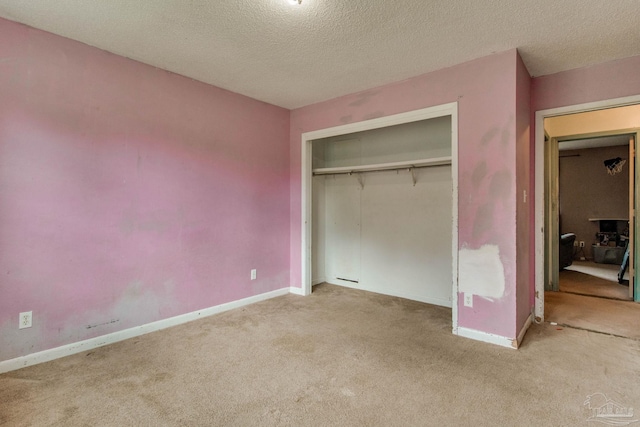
<point x="254" y="274"/>
<point x="25" y="319"/>
<point x="575" y="243"/>
<point x="582" y="243"/>
<point x="468" y="300"/>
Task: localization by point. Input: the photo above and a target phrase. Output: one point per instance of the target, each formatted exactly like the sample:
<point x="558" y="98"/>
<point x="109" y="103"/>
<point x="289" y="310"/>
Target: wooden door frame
<point x="552" y="210"/>
<point x="540" y="193"/>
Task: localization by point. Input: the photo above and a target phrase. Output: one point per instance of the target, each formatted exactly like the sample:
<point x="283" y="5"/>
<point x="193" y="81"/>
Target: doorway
<point x="583" y="124"/>
<point x="594" y="216"/>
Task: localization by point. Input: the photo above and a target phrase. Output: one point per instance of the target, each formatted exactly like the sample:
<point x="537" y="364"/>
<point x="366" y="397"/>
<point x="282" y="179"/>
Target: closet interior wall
<point x="385" y="231"/>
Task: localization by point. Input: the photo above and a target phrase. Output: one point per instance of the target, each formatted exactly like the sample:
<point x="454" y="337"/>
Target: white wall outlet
<point x="468" y="299"/>
<point x="254" y="274"/>
<point x="25" y="319"/>
<point x="575" y="243"/>
<point x="582" y="243"/>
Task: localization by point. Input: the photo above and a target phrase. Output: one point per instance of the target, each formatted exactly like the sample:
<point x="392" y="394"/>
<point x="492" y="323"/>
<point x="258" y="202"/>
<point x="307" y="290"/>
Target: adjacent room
<point x="595" y="207"/>
<point x="309" y="212"/>
<point x="596" y="180"/>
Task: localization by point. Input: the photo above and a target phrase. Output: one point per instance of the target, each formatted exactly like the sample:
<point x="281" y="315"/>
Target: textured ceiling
<point x="297" y="55"/>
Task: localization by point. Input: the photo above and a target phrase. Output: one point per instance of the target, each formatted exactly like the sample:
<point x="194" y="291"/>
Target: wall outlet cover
<point x="25" y="319"/>
<point x="254" y="274"/>
<point x="468" y="300"/>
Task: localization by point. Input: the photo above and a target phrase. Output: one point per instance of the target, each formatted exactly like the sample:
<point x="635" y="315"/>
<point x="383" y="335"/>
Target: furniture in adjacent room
<point x="611" y="242"/>
<point x="566" y="249"/>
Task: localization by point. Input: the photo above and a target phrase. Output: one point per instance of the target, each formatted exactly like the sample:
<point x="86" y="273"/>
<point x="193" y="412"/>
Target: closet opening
<point x="380" y="206"/>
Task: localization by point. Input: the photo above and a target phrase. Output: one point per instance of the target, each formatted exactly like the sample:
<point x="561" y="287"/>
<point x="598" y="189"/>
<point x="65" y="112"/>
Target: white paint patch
<point x="481" y="272"/>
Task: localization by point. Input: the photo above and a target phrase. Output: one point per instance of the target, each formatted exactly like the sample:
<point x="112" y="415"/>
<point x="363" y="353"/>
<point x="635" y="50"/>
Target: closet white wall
<point x="376" y="230"/>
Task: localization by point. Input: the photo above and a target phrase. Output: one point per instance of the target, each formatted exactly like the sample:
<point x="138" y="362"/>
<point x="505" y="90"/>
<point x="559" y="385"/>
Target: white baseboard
<point x="80" y="346"/>
<point x="487" y="337"/>
<point x="297" y="291"/>
<point x="391" y="292"/>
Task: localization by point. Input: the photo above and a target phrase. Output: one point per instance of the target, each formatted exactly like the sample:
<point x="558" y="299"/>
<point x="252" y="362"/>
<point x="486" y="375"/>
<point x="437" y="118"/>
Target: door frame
<point x="450" y="109"/>
<point x="552" y="213"/>
<point x="552" y="238"/>
<point x="539" y="183"/>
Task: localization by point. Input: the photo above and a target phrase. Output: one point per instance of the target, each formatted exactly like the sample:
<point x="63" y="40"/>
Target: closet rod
<point x="398" y="168"/>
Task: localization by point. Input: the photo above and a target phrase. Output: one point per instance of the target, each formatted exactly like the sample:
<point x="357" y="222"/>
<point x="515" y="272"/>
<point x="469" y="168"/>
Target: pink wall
<point x="129" y="194"/>
<point x="486" y="93"/>
<point x="524" y="239"/>
<point x="615" y="79"/>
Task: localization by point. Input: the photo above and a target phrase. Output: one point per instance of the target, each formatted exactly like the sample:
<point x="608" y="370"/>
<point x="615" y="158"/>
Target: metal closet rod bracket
<point x="413" y="176"/>
<point x="360" y="179"/>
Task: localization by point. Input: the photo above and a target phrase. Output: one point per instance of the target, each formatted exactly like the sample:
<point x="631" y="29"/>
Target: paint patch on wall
<point x="500" y="187"/>
<point x="374" y="115"/>
<point x="481" y="272"/>
<point x="484" y="219"/>
<point x="363" y="98"/>
<point x="479" y="173"/>
<point x="346" y="119"/>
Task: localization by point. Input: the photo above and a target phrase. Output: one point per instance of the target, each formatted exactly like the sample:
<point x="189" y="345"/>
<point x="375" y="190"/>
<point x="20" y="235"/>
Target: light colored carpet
<point x="603" y="271"/>
<point x="596" y="314"/>
<point x="585" y="284"/>
<point x="338" y="357"/>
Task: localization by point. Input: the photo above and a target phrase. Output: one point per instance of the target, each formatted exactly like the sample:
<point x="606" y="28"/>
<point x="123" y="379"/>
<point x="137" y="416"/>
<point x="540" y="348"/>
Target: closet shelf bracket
<point x="413" y="176"/>
<point x="360" y="179"/>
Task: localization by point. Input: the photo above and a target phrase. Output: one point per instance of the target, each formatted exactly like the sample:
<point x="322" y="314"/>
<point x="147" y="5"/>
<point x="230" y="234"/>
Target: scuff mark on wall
<point x="479" y="173"/>
<point x="363" y="98"/>
<point x="103" y="324"/>
<point x="346" y="119"/>
<point x="134" y="290"/>
<point x="481" y="272"/>
<point x="488" y="136"/>
<point x="483" y="220"/>
<point x="500" y="186"/>
<point x="505" y="134"/>
<point x="505" y="138"/>
<point x="158" y="221"/>
<point x="499" y="189"/>
<point x="138" y="303"/>
<point x="374" y="115"/>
